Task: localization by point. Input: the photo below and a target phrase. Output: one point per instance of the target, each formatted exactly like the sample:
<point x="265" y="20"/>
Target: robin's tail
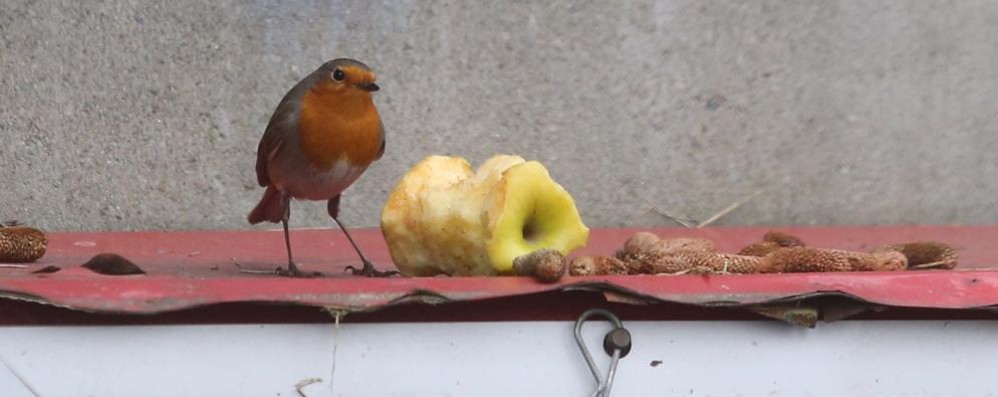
<point x="271" y="207"/>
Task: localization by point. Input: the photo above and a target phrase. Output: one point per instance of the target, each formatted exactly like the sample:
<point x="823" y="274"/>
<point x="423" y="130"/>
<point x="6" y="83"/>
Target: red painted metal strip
<point x="191" y="269"/>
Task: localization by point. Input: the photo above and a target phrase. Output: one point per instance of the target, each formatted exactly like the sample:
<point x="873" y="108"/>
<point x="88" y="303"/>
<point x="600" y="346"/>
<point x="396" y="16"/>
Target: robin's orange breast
<point x="339" y="126"/>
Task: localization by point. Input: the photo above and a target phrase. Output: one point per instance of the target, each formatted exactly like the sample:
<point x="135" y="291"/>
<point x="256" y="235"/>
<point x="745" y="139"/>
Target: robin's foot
<point x="369" y="271"/>
<point x="293" y="272"/>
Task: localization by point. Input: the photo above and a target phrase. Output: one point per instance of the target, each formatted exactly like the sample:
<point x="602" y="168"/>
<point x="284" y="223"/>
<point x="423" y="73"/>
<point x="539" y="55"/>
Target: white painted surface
<point x="885" y="358"/>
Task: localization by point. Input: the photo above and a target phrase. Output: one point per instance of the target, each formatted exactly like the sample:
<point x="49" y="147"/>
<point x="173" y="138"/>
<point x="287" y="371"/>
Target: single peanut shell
<point x="725" y="263"/>
<point x="782" y="239"/>
<point x="866" y="262"/>
<point x="920" y="253"/>
<point x="641" y="242"/>
<point x="21" y="244"/>
<point x="597" y="265"/>
<point x="681" y="244"/>
<point x="546" y="265"/>
<point x="760" y="249"/>
<point x="696" y="261"/>
<point x="805" y="259"/>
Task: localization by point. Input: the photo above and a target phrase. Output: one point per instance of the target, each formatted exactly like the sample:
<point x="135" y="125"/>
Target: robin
<point x="322" y="136"/>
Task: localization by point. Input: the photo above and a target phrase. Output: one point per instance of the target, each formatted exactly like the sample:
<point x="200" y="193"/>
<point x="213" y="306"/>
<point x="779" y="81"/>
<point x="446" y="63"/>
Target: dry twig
<point x="12" y="266"/>
<point x="728" y="210"/>
<point x="251" y="271"/>
<point x="662" y="211"/>
<point x="305" y="382"/>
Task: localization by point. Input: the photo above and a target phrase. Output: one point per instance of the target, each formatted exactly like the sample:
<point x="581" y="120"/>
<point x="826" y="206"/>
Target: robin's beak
<point x="369" y="87"/>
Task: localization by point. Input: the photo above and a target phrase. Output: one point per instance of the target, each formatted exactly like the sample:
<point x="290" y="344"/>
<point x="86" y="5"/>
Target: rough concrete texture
<point x="146" y="115"/>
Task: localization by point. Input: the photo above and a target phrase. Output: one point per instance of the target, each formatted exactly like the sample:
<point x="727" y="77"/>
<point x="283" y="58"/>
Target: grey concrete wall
<point x="146" y="115"/>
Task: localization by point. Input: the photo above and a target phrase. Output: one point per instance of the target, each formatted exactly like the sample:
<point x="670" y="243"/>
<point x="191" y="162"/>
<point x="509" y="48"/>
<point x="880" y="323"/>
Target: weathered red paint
<point x="191" y="269"/>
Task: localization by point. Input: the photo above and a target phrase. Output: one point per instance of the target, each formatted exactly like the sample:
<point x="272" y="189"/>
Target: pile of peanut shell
<point x="647" y="253"/>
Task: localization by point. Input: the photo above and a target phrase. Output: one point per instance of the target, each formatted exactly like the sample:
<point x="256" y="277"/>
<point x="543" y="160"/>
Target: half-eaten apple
<point x="445" y="218"/>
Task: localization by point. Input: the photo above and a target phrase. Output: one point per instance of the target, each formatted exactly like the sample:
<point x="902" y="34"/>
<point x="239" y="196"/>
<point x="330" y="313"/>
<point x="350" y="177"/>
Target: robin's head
<point x="345" y="75"/>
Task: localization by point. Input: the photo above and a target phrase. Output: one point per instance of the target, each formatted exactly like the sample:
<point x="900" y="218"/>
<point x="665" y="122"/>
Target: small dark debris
<point x="11" y="223"/>
<point x="47" y="270"/>
<point x="655" y="363"/>
<point x="715" y="102"/>
<point x="112" y="265"/>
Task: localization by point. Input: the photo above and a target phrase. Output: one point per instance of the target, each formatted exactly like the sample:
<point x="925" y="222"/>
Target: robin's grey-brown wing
<point x="282" y="122"/>
<point x="273" y="138"/>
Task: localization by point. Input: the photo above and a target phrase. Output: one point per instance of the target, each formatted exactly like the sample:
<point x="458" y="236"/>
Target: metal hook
<point x="616" y="343"/>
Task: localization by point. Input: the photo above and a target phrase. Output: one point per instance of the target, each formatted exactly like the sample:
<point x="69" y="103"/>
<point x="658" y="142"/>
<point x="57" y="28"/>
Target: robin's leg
<point x="333" y="207"/>
<point x="292" y="270"/>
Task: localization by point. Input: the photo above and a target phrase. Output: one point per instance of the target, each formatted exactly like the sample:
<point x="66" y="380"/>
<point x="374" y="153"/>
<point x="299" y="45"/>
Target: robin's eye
<point x="338" y="75"/>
